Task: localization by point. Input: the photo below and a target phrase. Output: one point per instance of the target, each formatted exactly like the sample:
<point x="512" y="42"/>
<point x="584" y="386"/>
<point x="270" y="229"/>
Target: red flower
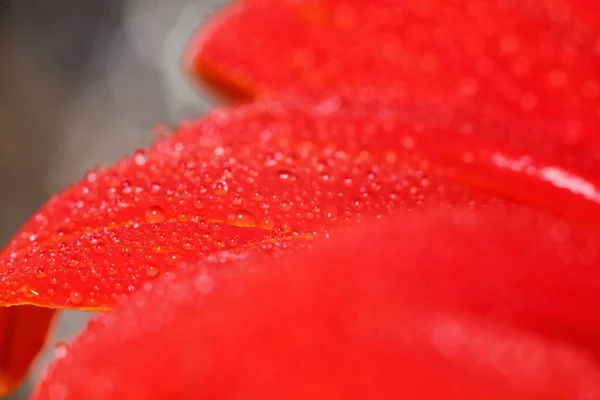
<point x="252" y="235"/>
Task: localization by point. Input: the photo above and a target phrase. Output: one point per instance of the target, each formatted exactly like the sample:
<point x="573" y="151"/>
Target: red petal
<point x="261" y="176"/>
<point x="265" y="177"/>
<point x="22" y="335"/>
<point x="536" y="60"/>
<point x="373" y="315"/>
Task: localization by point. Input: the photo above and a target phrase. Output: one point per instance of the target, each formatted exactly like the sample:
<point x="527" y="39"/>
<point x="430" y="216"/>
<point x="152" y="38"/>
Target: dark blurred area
<point x="82" y="83"/>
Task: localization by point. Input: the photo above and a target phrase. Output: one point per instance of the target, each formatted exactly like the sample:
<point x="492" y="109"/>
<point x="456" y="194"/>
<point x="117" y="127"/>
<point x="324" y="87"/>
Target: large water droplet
<point x="242" y="219"/>
<point x="154" y="215"/>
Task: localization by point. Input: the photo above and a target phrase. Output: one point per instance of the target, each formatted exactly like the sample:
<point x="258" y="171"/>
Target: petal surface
<point x="270" y="177"/>
<point x="374" y="313"/>
<point x="23" y="331"/>
<point x="534" y="60"/>
<point x="264" y="176"/>
<point x="257" y="179"/>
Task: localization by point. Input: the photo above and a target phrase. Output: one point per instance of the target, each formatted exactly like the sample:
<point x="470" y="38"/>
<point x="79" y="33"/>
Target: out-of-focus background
<point x="82" y="83"/>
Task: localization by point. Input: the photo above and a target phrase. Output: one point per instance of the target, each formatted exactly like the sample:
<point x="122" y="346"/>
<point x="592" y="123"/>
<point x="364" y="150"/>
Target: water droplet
<point x="220" y="188"/>
<point x="285" y="206"/>
<point x="268" y="223"/>
<point x="61" y="350"/>
<point x="198" y="204"/>
<point x="76" y="297"/>
<point x="173" y="259"/>
<point x="155" y="188"/>
<point x="152" y="271"/>
<point x="155" y="215"/>
<point x="257" y="196"/>
<point x="242" y="219"/>
<point x="285" y="175"/>
<point x="358" y="205"/>
<point x="237" y="201"/>
<point x="188" y="246"/>
<point x="331" y="213"/>
<point x="204" y="284"/>
<point x="139" y="157"/>
<point x="100" y="247"/>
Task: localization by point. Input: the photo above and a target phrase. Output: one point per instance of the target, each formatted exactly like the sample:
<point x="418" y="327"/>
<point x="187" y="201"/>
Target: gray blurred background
<point x="82" y="82"/>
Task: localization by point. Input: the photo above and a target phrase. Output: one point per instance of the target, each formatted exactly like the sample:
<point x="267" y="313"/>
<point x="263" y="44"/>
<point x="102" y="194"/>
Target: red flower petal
<point x="536" y="60"/>
<point x="262" y="176"/>
<point x="373" y="315"/>
<point x="265" y="177"/>
<point x="22" y="333"/>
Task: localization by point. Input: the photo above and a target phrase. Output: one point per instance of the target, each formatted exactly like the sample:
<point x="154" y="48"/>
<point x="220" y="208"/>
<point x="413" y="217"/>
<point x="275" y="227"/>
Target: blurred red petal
<point x="376" y="314"/>
<point x="538" y="60"/>
<point x="22" y="335"/>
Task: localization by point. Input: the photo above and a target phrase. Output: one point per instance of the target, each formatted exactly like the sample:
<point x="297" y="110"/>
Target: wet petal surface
<point x="376" y="312"/>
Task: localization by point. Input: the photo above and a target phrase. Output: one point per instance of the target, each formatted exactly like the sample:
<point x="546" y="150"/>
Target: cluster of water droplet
<point x="228" y="183"/>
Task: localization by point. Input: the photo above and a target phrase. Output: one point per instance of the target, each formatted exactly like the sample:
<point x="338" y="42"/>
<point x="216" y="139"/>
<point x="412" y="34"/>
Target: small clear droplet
<point x="285" y="206"/>
<point x="173" y="259"/>
<point x="268" y="223"/>
<point x="76" y="297"/>
<point x="152" y="271"/>
<point x="220" y="188"/>
<point x="331" y="213"/>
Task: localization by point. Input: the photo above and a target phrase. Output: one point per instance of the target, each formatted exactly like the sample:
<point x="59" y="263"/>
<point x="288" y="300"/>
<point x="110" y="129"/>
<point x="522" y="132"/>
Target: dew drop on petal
<point x="285" y="206"/>
<point x="358" y="205"/>
<point x="331" y="213"/>
<point x="152" y="271"/>
<point x="173" y="259"/>
<point x="61" y="350"/>
<point x="76" y="297"/>
<point x="139" y="157"/>
<point x="220" y="188"/>
<point x="204" y="284"/>
<point x="241" y="218"/>
<point x="154" y="215"/>
<point x="268" y="223"/>
<point x="285" y="175"/>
